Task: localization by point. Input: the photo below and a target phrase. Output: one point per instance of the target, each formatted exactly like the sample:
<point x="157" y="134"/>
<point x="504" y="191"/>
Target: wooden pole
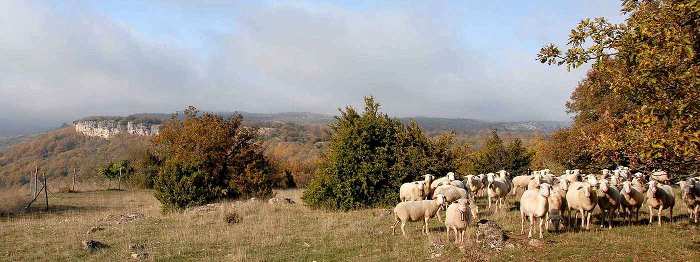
<point x="119" y="185"/>
<point x="75" y="173"/>
<point x="46" y="192"/>
<point x="36" y="179"/>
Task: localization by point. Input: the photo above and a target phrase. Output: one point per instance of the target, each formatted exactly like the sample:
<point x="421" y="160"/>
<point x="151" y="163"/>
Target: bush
<point x="202" y="158"/>
<point x="369" y="156"/>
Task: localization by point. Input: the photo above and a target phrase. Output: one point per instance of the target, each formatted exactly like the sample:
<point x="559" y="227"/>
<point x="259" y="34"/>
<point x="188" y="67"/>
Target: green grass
<point x="297" y="233"/>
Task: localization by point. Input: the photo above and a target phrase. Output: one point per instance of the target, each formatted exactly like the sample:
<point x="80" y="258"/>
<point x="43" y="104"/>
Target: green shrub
<point x="369" y="156"/>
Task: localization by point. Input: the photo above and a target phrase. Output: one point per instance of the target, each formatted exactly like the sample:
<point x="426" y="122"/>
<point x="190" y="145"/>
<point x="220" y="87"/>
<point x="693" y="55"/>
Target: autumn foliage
<point x="204" y="157"/>
<point x="639" y="103"/>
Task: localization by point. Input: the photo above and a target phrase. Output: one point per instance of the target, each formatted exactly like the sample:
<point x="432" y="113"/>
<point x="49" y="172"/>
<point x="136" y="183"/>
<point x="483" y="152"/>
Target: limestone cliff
<point x="110" y="128"/>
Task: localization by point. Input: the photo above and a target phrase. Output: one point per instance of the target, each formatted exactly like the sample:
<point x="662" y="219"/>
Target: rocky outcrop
<point x="110" y="128"/>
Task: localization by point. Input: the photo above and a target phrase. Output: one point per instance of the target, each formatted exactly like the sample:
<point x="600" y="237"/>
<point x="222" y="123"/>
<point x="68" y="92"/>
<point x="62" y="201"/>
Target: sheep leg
<point x="588" y="223"/>
<point x="403" y="230"/>
<point x="532" y="222"/>
<point x="697" y="210"/>
<point x="583" y="218"/>
<point x="457" y="238"/>
<point x="489" y="196"/>
<point x="610" y="219"/>
<point x="541" y="236"/>
<point x="651" y="215"/>
<point x="547" y="220"/>
<point x="670" y="215"/>
<point x="427" y="230"/>
<point x="603" y="214"/>
<point x="659" y="213"/>
<point x="447" y="232"/>
<point x="393" y="228"/>
<point x="522" y="223"/>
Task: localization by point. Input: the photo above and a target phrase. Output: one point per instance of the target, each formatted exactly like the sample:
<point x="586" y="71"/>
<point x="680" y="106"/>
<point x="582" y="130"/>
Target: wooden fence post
<point x="46" y="192"/>
<point x="75" y="173"/>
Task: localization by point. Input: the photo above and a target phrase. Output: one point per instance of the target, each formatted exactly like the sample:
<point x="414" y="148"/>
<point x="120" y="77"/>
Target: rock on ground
<point x="280" y="200"/>
<point x="93" y="245"/>
<point x="490" y="235"/>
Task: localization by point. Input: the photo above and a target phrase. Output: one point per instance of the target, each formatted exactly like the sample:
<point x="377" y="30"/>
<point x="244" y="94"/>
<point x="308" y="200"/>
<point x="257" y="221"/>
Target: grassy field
<point x="294" y="232"/>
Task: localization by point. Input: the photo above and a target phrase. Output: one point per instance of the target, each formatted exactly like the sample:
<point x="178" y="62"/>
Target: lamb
<point x="690" y="193"/>
<point x="412" y="211"/>
<point x="473" y="183"/>
<point x="660" y="197"/>
<point x="534" y="204"/>
<point x="631" y="200"/>
<point x="580" y="197"/>
<point x="412" y="191"/>
<point x="457" y="218"/>
<point x="608" y="201"/>
<point x="497" y="188"/>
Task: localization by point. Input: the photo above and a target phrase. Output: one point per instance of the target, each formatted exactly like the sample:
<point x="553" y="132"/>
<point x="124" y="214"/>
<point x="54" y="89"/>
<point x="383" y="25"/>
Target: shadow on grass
<point x="39" y="211"/>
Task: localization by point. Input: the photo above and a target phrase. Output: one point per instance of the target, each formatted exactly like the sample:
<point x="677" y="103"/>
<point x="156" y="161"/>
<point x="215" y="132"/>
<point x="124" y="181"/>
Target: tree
<point x="115" y="170"/>
<point x="494" y="156"/>
<point x="638" y="104"/>
<point x="369" y="156"/>
<point x="204" y="157"/>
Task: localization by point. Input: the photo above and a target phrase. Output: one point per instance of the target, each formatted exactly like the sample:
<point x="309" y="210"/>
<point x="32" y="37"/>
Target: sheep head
<point x="451" y="176"/>
<point x="603" y="186"/>
<point x="652" y="187"/>
<point x="627" y="187"/>
<point x="544" y="189"/>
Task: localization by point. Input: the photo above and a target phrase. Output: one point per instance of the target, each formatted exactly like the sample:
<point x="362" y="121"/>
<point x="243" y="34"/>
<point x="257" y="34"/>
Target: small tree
<point x="495" y="156"/>
<point x="205" y="157"/>
<point x="115" y="170"/>
<point x="369" y="156"/>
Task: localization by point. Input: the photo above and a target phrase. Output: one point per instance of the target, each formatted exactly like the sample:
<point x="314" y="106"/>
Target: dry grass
<point x="12" y="200"/>
<point x="293" y="232"/>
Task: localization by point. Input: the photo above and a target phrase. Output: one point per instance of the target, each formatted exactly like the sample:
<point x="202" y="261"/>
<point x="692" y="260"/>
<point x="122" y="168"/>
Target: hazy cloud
<point x="69" y="61"/>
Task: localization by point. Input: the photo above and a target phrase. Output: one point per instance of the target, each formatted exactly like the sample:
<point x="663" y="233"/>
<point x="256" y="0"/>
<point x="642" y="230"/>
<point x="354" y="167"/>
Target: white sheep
<point x="521" y="182"/>
<point x="660" y="197"/>
<point x="534" y="204"/>
<point x="457" y="218"/>
<point x="631" y="200"/>
<point x="580" y="197"/>
<point x="427" y="180"/>
<point x="412" y="191"/>
<point x="690" y="193"/>
<point x="608" y="201"/>
<point x="412" y="211"/>
<point x="497" y="188"/>
<point x="661" y="177"/>
<point x="442" y="181"/>
<point x="557" y="204"/>
<point x="451" y="193"/>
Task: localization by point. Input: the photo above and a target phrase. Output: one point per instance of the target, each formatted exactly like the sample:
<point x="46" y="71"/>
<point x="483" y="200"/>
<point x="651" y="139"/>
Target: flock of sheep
<point x="547" y="198"/>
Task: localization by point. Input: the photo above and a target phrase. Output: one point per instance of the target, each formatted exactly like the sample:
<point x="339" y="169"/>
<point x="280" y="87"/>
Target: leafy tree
<point x="115" y="170"/>
<point x="639" y="102"/>
<point x="204" y="157"/>
<point x="369" y="156"/>
<point x="494" y="156"/>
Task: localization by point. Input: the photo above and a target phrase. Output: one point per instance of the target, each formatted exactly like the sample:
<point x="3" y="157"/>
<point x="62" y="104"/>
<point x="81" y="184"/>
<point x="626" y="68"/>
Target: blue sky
<point x="469" y="59"/>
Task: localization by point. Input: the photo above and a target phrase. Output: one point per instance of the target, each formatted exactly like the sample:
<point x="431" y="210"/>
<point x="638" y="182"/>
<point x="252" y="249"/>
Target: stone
<point x="535" y="243"/>
<point x="93" y="245"/>
<point x="277" y="200"/>
<point x="490" y="235"/>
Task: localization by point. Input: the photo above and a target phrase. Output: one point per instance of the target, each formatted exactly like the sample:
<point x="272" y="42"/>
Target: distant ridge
<point x="430" y="124"/>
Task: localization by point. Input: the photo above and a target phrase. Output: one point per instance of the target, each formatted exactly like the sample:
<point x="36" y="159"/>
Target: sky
<point x="63" y="60"/>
